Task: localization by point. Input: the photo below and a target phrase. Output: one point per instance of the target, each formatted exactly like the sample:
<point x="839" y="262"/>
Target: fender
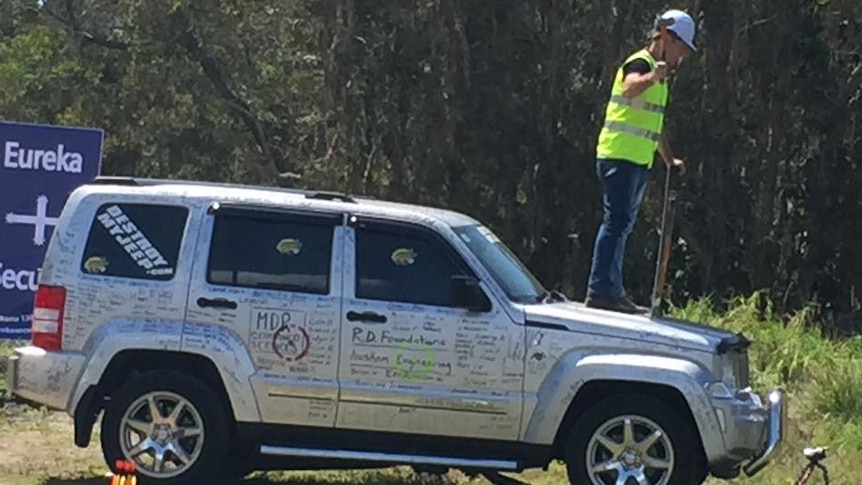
<point x="218" y="344"/>
<point x="229" y="354"/>
<point x="576" y="369"/>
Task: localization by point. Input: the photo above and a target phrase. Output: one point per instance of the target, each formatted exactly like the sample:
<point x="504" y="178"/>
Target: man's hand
<point x="679" y="165"/>
<point x="667" y="155"/>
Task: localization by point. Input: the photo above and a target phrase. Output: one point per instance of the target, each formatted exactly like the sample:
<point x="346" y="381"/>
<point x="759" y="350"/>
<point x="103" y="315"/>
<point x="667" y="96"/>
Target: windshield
<point x="519" y="284"/>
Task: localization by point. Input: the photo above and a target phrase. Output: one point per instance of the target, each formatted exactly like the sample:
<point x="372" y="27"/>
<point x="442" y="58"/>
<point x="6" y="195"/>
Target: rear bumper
<point x="42" y="377"/>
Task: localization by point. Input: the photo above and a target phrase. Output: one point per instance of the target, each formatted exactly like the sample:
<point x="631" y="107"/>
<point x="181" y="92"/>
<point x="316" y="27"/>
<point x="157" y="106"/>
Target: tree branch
<point x="214" y="74"/>
<point x="192" y="46"/>
<point x="74" y="28"/>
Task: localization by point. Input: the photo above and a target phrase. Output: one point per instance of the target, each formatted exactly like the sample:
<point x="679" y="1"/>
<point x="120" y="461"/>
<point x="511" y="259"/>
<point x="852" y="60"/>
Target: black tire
<point x="683" y="439"/>
<point x="208" y="407"/>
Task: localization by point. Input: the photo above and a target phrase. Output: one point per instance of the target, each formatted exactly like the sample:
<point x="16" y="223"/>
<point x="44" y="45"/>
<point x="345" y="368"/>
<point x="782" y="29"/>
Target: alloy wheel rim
<point x="162" y="432"/>
<point x="630" y="450"/>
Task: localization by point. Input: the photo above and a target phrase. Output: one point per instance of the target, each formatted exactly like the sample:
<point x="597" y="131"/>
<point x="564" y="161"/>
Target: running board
<point x="388" y="457"/>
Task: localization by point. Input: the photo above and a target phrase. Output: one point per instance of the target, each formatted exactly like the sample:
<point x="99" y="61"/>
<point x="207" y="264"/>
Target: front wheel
<point x="170" y="425"/>
<point x="628" y="440"/>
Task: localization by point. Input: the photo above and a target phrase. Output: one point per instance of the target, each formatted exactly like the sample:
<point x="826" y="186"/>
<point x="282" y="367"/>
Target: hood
<point x="576" y="317"/>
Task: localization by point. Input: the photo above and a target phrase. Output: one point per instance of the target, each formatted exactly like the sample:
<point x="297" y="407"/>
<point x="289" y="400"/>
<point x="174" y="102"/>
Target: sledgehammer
<point x="659" y="288"/>
<point x="668" y="211"/>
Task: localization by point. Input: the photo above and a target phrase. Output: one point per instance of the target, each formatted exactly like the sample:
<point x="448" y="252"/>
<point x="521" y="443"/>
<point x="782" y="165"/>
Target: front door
<point x="271" y="278"/>
<point x="412" y="361"/>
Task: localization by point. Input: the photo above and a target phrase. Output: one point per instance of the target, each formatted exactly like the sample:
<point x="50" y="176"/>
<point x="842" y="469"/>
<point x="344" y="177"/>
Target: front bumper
<point x="753" y="431"/>
<point x="775" y="426"/>
<point x="42" y="377"/>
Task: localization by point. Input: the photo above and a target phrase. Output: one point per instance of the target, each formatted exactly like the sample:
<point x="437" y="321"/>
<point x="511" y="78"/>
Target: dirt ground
<point x="36" y="446"/>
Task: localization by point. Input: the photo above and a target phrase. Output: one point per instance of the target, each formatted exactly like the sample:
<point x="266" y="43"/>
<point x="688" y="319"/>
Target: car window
<point x="406" y="265"/>
<point x="278" y="253"/>
<point x="140" y="241"/>
<point x="519" y="284"/>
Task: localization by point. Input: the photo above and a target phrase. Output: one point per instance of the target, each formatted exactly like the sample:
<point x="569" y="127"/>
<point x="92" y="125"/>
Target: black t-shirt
<point x="639" y="66"/>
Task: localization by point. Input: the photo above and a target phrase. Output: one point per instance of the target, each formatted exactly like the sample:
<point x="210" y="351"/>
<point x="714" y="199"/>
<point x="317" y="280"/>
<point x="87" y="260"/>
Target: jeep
<point x="217" y="329"/>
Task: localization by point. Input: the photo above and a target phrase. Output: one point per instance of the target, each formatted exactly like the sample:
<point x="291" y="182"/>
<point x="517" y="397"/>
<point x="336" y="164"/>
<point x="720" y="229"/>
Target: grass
<point x="823" y="379"/>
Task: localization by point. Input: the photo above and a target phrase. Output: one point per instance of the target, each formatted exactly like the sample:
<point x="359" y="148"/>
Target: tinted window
<point x="404" y="265"/>
<point x="135" y="241"/>
<point x="279" y="253"/>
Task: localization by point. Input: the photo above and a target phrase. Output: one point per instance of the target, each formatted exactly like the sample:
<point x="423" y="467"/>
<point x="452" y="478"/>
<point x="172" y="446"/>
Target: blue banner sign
<point x="40" y="166"/>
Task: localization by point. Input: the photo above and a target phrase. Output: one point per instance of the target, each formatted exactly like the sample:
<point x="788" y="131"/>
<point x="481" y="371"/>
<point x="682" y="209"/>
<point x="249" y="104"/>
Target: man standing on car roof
<point x="633" y="131"/>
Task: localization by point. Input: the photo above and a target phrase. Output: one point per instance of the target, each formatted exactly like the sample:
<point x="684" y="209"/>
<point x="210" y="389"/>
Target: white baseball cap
<point x="683" y="26"/>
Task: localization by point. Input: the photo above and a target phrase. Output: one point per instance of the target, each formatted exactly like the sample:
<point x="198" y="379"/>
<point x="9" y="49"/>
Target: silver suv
<point x="223" y="328"/>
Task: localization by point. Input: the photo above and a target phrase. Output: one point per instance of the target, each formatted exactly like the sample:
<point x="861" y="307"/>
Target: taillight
<point x="48" y="311"/>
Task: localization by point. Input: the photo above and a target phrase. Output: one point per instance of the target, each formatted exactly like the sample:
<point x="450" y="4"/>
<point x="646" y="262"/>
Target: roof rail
<point x="324" y="195"/>
<point x="114" y="180"/>
<point x="131" y="181"/>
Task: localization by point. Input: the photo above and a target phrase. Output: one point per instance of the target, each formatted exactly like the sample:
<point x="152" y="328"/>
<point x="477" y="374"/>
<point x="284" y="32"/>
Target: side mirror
<point x="467" y="294"/>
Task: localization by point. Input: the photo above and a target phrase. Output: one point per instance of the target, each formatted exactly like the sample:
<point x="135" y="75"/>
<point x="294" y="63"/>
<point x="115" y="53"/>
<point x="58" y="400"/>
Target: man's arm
<point x="664" y="150"/>
<point x="638" y="78"/>
<point x="635" y="84"/>
<point x="667" y="155"/>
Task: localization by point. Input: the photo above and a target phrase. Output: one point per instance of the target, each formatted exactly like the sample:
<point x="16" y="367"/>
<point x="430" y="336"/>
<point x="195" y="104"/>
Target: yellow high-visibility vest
<point x="633" y="127"/>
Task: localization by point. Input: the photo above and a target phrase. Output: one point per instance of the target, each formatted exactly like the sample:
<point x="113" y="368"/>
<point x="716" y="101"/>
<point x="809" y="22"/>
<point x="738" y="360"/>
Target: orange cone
<point x="125" y="473"/>
<point x="116" y="478"/>
<point x="133" y="478"/>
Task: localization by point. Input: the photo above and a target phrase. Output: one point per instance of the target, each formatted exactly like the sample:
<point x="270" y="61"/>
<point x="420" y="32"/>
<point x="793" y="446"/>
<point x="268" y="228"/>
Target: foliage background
<point x="488" y="107"/>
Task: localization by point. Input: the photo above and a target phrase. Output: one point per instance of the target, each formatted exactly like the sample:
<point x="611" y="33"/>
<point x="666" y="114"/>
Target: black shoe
<point x="621" y="305"/>
<point x="631" y="304"/>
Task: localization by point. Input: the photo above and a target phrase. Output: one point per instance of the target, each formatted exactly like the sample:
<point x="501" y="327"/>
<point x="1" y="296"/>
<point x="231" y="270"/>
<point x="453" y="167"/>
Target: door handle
<point x="369" y="317"/>
<point x="216" y="303"/>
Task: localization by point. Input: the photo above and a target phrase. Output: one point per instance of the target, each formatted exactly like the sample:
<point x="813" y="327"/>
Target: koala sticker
<point x="289" y="246"/>
<point x="96" y="265"/>
<point x="404" y="256"/>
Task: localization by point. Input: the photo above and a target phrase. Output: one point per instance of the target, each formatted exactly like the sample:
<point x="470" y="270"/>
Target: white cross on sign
<point x="40" y="221"/>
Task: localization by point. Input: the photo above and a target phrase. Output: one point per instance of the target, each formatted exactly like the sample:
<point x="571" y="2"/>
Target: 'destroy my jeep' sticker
<point x="134" y="242"/>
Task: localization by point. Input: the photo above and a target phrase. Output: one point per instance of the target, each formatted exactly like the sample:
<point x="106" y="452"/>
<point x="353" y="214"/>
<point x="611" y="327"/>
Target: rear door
<point x="270" y="277"/>
<point x="131" y="268"/>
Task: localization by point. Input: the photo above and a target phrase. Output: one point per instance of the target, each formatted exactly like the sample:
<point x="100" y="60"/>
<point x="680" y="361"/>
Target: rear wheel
<point x="170" y="425"/>
<point x="633" y="440"/>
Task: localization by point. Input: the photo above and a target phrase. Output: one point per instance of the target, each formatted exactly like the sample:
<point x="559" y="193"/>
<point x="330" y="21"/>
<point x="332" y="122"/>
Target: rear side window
<point x="277" y="252"/>
<point x="140" y="241"/>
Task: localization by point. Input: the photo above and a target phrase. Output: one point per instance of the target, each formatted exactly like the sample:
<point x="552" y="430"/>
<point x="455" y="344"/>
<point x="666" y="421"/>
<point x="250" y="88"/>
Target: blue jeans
<point x="623" y="185"/>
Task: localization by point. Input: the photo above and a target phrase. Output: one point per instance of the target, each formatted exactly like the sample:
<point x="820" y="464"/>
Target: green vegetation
<point x="5" y="350"/>
<point x="489" y="107"/>
<point x="822" y="377"/>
